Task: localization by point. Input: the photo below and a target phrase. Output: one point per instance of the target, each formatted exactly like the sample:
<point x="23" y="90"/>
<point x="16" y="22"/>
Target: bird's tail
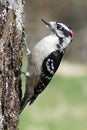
<point x="32" y="99"/>
<point x="27" y="97"/>
<point x="23" y="103"/>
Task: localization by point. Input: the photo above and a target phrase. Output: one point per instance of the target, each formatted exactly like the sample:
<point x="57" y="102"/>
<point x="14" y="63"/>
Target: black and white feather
<point x="45" y="59"/>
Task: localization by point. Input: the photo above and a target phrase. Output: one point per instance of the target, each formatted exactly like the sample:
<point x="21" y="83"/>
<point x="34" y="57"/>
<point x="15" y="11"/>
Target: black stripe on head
<point x="64" y="29"/>
<point x="65" y="32"/>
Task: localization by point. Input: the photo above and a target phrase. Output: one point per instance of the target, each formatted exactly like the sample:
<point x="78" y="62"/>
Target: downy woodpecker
<point x="45" y="59"/>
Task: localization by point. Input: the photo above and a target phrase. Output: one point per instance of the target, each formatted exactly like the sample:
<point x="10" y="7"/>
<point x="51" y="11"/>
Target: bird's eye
<point x="59" y="26"/>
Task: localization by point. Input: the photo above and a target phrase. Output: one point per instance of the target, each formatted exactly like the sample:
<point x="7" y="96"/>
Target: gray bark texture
<point x="11" y="43"/>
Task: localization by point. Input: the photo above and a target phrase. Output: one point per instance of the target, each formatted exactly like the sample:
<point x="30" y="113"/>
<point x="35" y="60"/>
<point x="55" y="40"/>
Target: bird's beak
<point x="50" y="25"/>
<point x="47" y="23"/>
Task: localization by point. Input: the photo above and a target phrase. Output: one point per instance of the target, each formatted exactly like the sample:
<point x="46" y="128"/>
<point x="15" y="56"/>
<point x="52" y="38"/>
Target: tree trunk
<point x="11" y="42"/>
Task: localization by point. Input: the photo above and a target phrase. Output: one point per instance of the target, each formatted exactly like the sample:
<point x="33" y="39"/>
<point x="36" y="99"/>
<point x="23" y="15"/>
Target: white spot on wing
<point x="50" y="66"/>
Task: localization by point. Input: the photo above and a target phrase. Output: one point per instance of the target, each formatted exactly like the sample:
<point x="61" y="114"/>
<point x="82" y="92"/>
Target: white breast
<point x="42" y="49"/>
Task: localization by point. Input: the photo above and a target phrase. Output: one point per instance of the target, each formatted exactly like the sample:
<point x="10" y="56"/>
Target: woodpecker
<point x="45" y="59"/>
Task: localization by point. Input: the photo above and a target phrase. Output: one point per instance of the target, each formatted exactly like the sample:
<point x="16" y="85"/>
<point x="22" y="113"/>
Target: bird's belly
<point x="42" y="49"/>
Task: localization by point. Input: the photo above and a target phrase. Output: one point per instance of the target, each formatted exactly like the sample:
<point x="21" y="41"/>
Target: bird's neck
<point x="59" y="42"/>
<point x="53" y="38"/>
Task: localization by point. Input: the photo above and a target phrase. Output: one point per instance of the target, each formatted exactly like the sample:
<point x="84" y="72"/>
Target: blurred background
<point x="63" y="105"/>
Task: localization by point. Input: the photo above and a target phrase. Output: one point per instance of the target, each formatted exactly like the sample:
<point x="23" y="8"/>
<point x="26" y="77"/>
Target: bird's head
<point x="62" y="31"/>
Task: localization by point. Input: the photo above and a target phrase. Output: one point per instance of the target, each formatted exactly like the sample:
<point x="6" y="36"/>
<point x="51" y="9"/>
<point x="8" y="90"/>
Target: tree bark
<point x="11" y="43"/>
